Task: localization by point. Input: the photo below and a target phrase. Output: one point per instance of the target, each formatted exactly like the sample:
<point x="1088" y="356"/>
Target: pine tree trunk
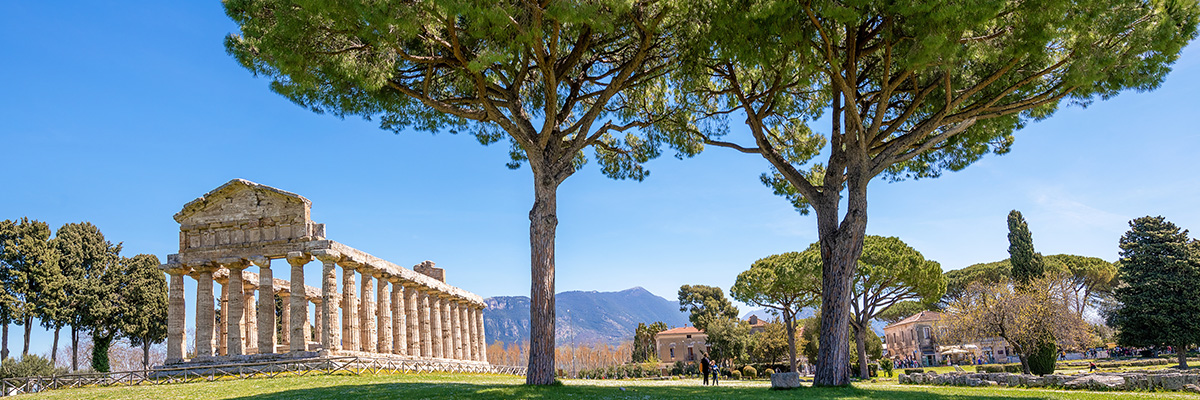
<point x="1181" y="352"/>
<point x="860" y="338"/>
<point x="789" y="323"/>
<point x="841" y="246"/>
<point x="1024" y="362"/>
<point x="74" y="348"/>
<point x="543" y="221"/>
<point x="4" y="345"/>
<point x="54" y="347"/>
<point x="28" y="330"/>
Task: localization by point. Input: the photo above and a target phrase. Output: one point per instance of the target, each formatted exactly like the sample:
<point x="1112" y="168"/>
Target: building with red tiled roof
<point x="916" y="338"/>
<point x="685" y="344"/>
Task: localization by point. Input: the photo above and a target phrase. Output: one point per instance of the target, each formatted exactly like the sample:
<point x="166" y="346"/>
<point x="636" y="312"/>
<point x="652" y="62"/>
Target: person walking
<point x="704" y="369"/>
<point x="713" y="366"/>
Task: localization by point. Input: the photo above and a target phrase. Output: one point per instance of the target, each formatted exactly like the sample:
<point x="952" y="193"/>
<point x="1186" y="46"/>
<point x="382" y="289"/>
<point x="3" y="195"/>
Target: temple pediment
<point x="241" y="213"/>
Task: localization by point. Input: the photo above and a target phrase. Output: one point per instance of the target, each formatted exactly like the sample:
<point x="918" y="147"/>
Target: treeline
<point x="77" y="279"/>
<point x="569" y="359"/>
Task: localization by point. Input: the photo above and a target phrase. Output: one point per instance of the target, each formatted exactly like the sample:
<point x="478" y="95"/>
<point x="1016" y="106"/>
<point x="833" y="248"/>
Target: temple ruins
<point x="376" y="309"/>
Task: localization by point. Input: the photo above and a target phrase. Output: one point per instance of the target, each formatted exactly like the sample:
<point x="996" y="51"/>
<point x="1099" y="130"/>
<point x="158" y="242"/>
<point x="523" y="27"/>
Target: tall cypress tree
<point x="86" y="257"/>
<point x="1161" y="269"/>
<point x="144" y="304"/>
<point x="1026" y="263"/>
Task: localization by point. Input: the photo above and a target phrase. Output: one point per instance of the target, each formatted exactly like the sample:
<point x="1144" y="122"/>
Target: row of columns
<point x="381" y="314"/>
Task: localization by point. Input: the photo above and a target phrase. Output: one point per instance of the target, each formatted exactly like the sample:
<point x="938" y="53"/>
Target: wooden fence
<point x="208" y="373"/>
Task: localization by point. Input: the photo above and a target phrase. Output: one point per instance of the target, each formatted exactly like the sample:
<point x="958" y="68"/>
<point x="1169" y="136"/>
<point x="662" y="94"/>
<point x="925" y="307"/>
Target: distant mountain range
<point x="596" y="317"/>
<point x="583" y="317"/>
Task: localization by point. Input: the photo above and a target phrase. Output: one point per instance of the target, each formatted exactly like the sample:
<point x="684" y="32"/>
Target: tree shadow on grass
<point x="421" y="390"/>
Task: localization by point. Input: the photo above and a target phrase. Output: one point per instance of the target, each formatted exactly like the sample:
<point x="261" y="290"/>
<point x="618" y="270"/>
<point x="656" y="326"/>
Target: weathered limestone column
<point x="399" y="327"/>
<point x="464" y="330"/>
<point x="205" y="314"/>
<point x="426" y="310"/>
<point x="413" y="320"/>
<point x="299" y="302"/>
<point x="366" y="314"/>
<point x="285" y="318"/>
<point x="474" y="332"/>
<point x="266" y="305"/>
<point x="383" y="314"/>
<point x="251" y="317"/>
<point x="222" y="333"/>
<point x="319" y="329"/>
<point x="176" y="316"/>
<point x="236" y="306"/>
<point x="482" y="336"/>
<point x="350" y="334"/>
<point x="447" y="328"/>
<point x="456" y="328"/>
<point x="329" y="260"/>
<point x="435" y="319"/>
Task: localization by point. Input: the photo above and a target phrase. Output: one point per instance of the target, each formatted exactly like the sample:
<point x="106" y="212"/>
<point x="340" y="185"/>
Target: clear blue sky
<point x="119" y="113"/>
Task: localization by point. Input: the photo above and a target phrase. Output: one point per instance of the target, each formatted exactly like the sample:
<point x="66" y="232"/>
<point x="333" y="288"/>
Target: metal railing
<point x="209" y="373"/>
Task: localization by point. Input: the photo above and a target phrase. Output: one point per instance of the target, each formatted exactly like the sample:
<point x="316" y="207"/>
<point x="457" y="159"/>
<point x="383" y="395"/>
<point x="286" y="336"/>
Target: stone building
<point x="686" y="344"/>
<point x="232" y="235"/>
<point x="917" y="338"/>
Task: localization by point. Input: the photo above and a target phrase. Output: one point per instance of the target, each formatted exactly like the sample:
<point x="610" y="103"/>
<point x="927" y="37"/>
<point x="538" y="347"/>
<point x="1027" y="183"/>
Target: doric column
<point x="285" y="318"/>
<point x="413" y="320"/>
<point x="350" y="333"/>
<point x="205" y="315"/>
<point x="473" y="332"/>
<point x="329" y="260"/>
<point x="299" y="302"/>
<point x="250" y="316"/>
<point x="222" y="327"/>
<point x="266" y="305"/>
<point x="456" y="328"/>
<point x="463" y="331"/>
<point x="317" y="304"/>
<point x="236" y="306"/>
<point x="447" y="328"/>
<point x="176" y="315"/>
<point x="482" y="336"/>
<point x="383" y="314"/>
<point x="366" y="313"/>
<point x="427" y="313"/>
<point x="399" y="328"/>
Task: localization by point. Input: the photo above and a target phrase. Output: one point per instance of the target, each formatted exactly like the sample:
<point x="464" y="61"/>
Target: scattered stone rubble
<point x="1169" y="379"/>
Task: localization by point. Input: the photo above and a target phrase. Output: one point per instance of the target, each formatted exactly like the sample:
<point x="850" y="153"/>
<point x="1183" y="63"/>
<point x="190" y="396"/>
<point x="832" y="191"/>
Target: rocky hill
<point x="582" y="317"/>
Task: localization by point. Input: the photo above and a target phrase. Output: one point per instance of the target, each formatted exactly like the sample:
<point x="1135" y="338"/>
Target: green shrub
<point x="989" y="368"/>
<point x="768" y="372"/>
<point x="886" y="366"/>
<point x="913" y="370"/>
<point x="1013" y="368"/>
<point x="29" y="365"/>
<point x="1043" y="359"/>
<point x="735" y="375"/>
<point x="749" y="372"/>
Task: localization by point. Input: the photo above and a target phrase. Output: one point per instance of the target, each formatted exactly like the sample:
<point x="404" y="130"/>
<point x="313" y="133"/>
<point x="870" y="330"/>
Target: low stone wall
<point x="1134" y="380"/>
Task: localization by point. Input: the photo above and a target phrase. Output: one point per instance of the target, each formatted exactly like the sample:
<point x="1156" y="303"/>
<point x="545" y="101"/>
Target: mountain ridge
<point x="582" y="317"/>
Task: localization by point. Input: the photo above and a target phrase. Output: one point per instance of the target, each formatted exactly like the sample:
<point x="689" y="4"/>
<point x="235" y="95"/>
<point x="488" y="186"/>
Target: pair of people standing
<point x="706" y="367"/>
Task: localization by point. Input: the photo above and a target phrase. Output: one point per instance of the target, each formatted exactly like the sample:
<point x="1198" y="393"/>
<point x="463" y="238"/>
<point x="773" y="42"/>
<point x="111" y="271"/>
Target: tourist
<point x="704" y="369"/>
<point x="1091" y="366"/>
<point x="713" y="366"/>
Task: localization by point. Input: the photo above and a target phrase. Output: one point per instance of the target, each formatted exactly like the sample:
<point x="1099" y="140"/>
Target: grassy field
<point x="455" y="386"/>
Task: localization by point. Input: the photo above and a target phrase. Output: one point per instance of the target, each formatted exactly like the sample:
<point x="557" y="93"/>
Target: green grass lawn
<point x="457" y="386"/>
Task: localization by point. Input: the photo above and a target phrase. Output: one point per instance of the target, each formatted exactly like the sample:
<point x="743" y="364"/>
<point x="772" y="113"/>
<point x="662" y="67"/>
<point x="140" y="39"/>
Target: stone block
<point x="787" y="380"/>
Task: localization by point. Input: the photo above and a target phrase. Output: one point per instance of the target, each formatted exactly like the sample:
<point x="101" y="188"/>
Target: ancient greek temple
<point x="365" y="306"/>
